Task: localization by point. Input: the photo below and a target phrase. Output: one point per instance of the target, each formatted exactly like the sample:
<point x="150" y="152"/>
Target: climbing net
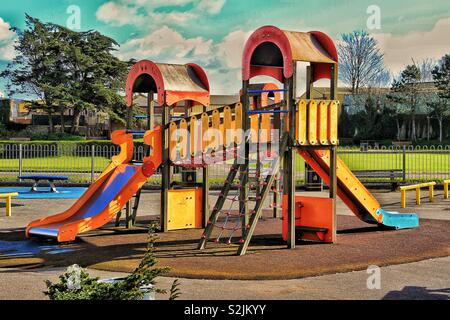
<point x="230" y="220"/>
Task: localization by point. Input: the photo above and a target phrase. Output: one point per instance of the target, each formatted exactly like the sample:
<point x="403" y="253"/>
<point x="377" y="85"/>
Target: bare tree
<point x="361" y="61"/>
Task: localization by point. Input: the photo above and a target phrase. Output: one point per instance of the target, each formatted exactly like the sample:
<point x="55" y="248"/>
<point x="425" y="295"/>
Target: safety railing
<point x="83" y="163"/>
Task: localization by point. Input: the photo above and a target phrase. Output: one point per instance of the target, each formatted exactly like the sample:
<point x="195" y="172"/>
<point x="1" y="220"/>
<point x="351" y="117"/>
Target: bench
<point x="38" y="178"/>
<point x="446" y="184"/>
<point x="393" y="176"/>
<point x="417" y="187"/>
<point x="7" y="197"/>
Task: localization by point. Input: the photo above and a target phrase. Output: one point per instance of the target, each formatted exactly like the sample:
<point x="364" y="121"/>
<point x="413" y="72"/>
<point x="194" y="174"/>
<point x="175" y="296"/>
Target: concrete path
<point x="421" y="280"/>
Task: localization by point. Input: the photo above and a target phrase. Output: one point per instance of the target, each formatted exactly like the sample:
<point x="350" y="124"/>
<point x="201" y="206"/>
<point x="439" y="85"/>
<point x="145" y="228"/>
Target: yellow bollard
<point x="446" y="183"/>
<point x="403" y="201"/>
<point x="8" y="200"/>
<point x="418" y="196"/>
<point x="431" y="193"/>
<point x="8" y="206"/>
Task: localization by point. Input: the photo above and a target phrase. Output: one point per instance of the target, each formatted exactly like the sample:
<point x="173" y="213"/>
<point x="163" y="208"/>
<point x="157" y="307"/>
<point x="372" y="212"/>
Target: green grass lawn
<point x="416" y="163"/>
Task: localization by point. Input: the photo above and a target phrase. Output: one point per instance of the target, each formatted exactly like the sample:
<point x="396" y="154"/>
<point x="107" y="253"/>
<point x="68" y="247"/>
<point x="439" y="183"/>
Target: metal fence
<point x="83" y="163"/>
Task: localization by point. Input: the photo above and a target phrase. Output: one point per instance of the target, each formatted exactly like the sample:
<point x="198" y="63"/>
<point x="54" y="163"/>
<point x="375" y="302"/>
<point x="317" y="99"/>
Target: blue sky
<point x="212" y="32"/>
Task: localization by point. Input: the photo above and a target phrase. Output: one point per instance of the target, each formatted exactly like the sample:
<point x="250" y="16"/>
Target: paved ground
<point x="422" y="280"/>
<point x="25" y="211"/>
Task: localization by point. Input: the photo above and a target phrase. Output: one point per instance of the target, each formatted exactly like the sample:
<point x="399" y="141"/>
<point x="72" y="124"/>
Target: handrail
<point x="417" y="187"/>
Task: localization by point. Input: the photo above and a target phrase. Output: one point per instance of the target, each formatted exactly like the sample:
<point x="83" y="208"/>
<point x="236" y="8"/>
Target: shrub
<point x="58" y="136"/>
<point x="76" y="284"/>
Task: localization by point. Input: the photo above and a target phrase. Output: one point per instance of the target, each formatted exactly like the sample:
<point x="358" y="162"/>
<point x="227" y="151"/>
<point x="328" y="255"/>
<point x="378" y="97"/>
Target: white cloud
<point x="399" y="50"/>
<point x="167" y="45"/>
<point x="119" y="14"/>
<point x="7" y="40"/>
<point x="231" y="48"/>
<point x="132" y="12"/>
<point x="211" y="6"/>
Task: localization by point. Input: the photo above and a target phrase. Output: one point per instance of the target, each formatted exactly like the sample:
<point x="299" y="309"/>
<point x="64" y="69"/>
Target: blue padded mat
<point x="29" y="248"/>
<point x="44" y="192"/>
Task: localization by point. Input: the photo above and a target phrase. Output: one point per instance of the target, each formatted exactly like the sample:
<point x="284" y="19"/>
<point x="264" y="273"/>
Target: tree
<point x="67" y="69"/>
<point x="406" y="92"/>
<point x="94" y="75"/>
<point x="35" y="70"/>
<point x="441" y="105"/>
<point x="361" y="61"/>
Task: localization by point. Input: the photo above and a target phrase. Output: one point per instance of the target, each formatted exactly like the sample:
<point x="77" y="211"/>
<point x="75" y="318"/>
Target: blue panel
<point x="106" y="193"/>
<point x="399" y="220"/>
<point x="38" y="177"/>
<point x="44" y="193"/>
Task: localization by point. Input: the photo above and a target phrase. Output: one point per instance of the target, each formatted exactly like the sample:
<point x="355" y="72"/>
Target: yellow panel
<point x="184" y="209"/>
<point x="301" y="125"/>
<point x="216" y="126"/>
<point x="194" y="146"/>
<point x="183" y="139"/>
<point x="254" y="125"/>
<point x="333" y="119"/>
<point x="23" y="107"/>
<point x="323" y="123"/>
<point x="238" y="122"/>
<point x="205" y="127"/>
<point x="173" y="141"/>
<point x="265" y="127"/>
<point x="312" y="123"/>
<point x="226" y="126"/>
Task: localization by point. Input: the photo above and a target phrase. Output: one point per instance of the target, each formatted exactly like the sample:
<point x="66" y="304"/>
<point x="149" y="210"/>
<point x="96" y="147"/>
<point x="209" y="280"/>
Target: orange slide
<point x="353" y="193"/>
<point x="108" y="194"/>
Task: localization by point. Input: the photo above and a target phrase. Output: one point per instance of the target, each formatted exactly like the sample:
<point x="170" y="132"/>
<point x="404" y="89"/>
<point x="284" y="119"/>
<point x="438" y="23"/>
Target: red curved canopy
<point x="171" y="82"/>
<point x="272" y="52"/>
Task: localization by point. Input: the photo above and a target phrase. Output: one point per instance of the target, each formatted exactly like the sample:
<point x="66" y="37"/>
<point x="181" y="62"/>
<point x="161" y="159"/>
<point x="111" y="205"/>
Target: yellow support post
<point x="418" y="196"/>
<point x="431" y="192"/>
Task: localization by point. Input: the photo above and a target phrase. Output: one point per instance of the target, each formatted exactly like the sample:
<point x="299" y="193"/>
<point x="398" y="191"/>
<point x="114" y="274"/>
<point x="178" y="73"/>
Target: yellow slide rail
<point x="7" y="197"/>
<point x="417" y="187"/>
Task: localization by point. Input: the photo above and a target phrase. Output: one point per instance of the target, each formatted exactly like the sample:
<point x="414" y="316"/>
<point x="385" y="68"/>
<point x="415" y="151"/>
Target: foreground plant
<point x="77" y="284"/>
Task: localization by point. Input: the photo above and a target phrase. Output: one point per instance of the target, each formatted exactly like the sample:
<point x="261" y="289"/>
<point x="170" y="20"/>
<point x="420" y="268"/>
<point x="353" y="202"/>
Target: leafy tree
<point x="94" y="75"/>
<point x="406" y="91"/>
<point x="67" y="70"/>
<point x="361" y="61"/>
<point x="441" y="104"/>
<point x="35" y="71"/>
